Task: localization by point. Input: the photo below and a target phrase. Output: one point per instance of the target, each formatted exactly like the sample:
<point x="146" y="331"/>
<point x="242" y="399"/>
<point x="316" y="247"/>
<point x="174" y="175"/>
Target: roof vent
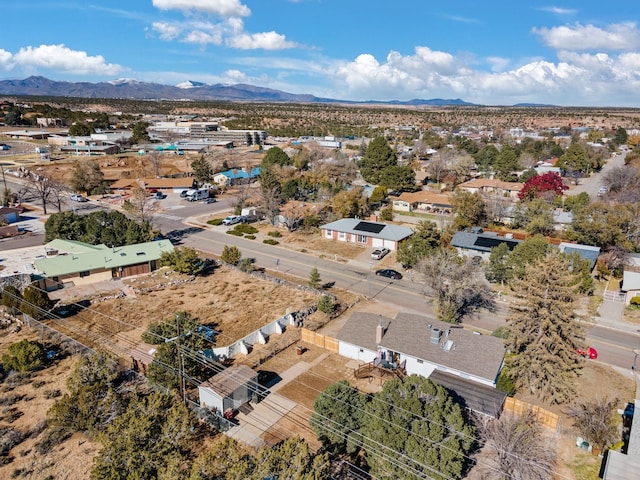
<point x="436" y="333"/>
<point x="447" y="346"/>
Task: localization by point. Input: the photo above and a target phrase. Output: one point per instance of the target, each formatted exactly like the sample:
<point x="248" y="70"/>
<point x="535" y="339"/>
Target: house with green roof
<point x="71" y="262"/>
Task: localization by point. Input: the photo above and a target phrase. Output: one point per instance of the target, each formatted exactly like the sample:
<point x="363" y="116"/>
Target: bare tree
<point x="140" y="205"/>
<point x="595" y="421"/>
<point x="516" y="448"/>
<point x="457" y="283"/>
<point x="155" y="159"/>
<point x="40" y="187"/>
<point x="59" y="190"/>
<point x="242" y="194"/>
<point x="438" y="167"/>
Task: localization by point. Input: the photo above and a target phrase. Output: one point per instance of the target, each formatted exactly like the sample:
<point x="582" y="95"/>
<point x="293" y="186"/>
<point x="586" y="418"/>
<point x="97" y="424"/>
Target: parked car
<point x="78" y="198"/>
<point x="389" y="273"/>
<point x="209" y="200"/>
<point x="232" y="220"/>
<point x="589" y="352"/>
<point x="160" y="196"/>
<point x="379" y="253"/>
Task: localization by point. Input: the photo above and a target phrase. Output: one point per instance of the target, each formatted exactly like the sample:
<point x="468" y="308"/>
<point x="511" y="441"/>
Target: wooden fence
<point x="518" y="407"/>
<point x="323" y="341"/>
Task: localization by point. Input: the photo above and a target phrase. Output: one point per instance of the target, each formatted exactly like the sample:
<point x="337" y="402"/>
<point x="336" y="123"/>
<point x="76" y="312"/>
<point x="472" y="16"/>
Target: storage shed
<point x="229" y="389"/>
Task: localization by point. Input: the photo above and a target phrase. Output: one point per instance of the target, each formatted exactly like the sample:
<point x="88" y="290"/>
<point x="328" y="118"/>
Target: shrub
<point x="231" y="255"/>
<point x="246" y="229"/>
<point x="250" y="237"/>
<point x="635" y="301"/>
<point x="270" y="241"/>
<point x="274" y="234"/>
<point x="215" y="221"/>
<point x="235" y="233"/>
<point x="24" y="356"/>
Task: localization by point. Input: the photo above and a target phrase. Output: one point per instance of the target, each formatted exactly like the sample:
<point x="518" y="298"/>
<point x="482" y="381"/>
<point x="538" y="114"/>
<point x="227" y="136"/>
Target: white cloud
<point x="61" y="59"/>
<point x="498" y="64"/>
<point x="576" y="79"/>
<point x="167" y="31"/>
<point x="229" y="32"/>
<point x="6" y="60"/>
<point x="221" y="8"/>
<point x="264" y="40"/>
<point x="559" y="10"/>
<point x="621" y="36"/>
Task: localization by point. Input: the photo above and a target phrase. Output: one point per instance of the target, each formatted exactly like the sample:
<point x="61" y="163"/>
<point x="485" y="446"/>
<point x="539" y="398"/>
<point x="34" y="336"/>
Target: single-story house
<point x="235" y="176"/>
<point x="174" y="184"/>
<point x="492" y="186"/>
<point x="424" y="200"/>
<point x="631" y="277"/>
<point x="10" y="214"/>
<point x="478" y="243"/>
<point x="81" y="263"/>
<point x="28" y="134"/>
<point x="229" y="389"/>
<point x="366" y="232"/>
<point x="427" y="347"/>
<point x="587" y="252"/>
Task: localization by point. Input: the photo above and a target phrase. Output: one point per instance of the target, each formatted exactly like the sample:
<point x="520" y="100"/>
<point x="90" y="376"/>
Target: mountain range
<point x="188" y="90"/>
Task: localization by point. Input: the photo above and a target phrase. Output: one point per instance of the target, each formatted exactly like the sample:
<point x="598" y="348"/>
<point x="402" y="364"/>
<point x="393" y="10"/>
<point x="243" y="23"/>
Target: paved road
<point x="592" y="184"/>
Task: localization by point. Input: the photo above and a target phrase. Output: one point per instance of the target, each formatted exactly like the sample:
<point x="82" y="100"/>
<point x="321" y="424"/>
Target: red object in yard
<point x="590" y="352"/>
<point x="229" y="414"/>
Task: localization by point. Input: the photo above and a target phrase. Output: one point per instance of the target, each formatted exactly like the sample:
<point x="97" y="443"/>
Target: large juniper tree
<point x="543" y="330"/>
<point x="376" y="160"/>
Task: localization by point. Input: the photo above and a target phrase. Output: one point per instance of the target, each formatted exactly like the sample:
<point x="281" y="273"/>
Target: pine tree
<point x="314" y="278"/>
<point x="543" y="331"/>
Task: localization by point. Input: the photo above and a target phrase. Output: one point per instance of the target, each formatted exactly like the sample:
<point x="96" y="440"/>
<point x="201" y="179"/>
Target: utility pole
<point x="183" y="390"/>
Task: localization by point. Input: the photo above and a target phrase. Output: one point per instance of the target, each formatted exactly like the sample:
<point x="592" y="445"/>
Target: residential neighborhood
<point x="256" y="281"/>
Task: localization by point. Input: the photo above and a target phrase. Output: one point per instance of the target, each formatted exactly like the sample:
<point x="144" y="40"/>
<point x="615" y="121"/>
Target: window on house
<point x="86" y="273"/>
<point x="361" y="239"/>
<point x="342" y="235"/>
<point x="329" y="233"/>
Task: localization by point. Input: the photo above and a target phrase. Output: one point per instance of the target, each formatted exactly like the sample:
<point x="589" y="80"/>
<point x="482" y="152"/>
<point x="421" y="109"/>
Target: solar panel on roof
<point x="490" y="242"/>
<point x="369" y="227"/>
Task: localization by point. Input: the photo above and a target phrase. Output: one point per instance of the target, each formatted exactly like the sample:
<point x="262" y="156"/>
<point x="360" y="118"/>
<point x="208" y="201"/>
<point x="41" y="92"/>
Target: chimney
<point x="379" y="331"/>
<point x="373" y="217"/>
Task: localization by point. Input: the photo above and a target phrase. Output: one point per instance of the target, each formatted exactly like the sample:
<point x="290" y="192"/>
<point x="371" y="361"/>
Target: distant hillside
<point x="187" y="90"/>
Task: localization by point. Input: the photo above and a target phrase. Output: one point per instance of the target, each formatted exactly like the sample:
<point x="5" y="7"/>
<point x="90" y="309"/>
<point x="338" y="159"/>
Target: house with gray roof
<point x="366" y="233"/>
<point x="71" y="263"/>
<point x="462" y="360"/>
<point x="478" y="243"/>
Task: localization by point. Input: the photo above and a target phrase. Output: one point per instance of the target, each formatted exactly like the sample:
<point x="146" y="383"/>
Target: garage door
<point x="377" y="242"/>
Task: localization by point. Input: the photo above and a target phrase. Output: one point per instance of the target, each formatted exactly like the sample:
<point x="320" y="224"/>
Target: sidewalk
<point x="612" y="316"/>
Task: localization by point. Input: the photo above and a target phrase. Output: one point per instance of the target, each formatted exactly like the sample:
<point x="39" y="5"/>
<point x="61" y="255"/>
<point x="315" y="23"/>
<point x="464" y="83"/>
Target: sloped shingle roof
<point x="368" y="228"/>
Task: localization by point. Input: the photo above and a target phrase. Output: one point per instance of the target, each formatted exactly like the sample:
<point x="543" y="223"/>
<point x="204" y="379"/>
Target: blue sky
<point x="575" y="53"/>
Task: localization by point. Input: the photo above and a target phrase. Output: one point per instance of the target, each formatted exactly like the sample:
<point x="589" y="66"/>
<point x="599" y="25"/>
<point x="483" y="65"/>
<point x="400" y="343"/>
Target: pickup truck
<point x="232" y="220"/>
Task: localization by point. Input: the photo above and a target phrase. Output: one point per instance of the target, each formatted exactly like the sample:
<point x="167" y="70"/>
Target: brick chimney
<point x="379" y="331"/>
<point x="373" y="217"/>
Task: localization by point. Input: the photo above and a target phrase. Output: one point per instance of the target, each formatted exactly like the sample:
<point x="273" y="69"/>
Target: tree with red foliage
<point x="547" y="184"/>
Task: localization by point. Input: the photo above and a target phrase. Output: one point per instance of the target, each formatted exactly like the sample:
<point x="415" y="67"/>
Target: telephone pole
<point x="183" y="389"/>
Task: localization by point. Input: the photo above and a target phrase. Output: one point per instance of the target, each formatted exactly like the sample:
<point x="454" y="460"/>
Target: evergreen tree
<point x="414" y="429"/>
<point x="231" y="255"/>
<point x="275" y="156"/>
<point x="11" y="297"/>
<point x="376" y="160"/>
<point x="498" y="269"/>
<point x="87" y="177"/>
<point x="202" y="170"/>
<point x="574" y="161"/>
<point x="425" y="239"/>
<point x="525" y="253"/>
<point x="35" y="302"/>
<point x="338" y="417"/>
<point x="506" y="162"/>
<point x="469" y="209"/>
<point x="314" y="278"/>
<point x="182" y="260"/>
<point x="543" y="331"/>
<point x="24" y="356"/>
<point x="140" y="133"/>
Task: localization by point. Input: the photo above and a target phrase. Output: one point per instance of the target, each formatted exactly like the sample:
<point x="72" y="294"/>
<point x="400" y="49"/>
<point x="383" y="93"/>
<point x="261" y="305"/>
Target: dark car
<point x="387" y="272"/>
<point x="209" y="200"/>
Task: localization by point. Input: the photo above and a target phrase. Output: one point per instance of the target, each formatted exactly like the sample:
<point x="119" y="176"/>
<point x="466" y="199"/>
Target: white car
<point x="232" y="220"/>
<point x="379" y="253"/>
<point x="78" y="198"/>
